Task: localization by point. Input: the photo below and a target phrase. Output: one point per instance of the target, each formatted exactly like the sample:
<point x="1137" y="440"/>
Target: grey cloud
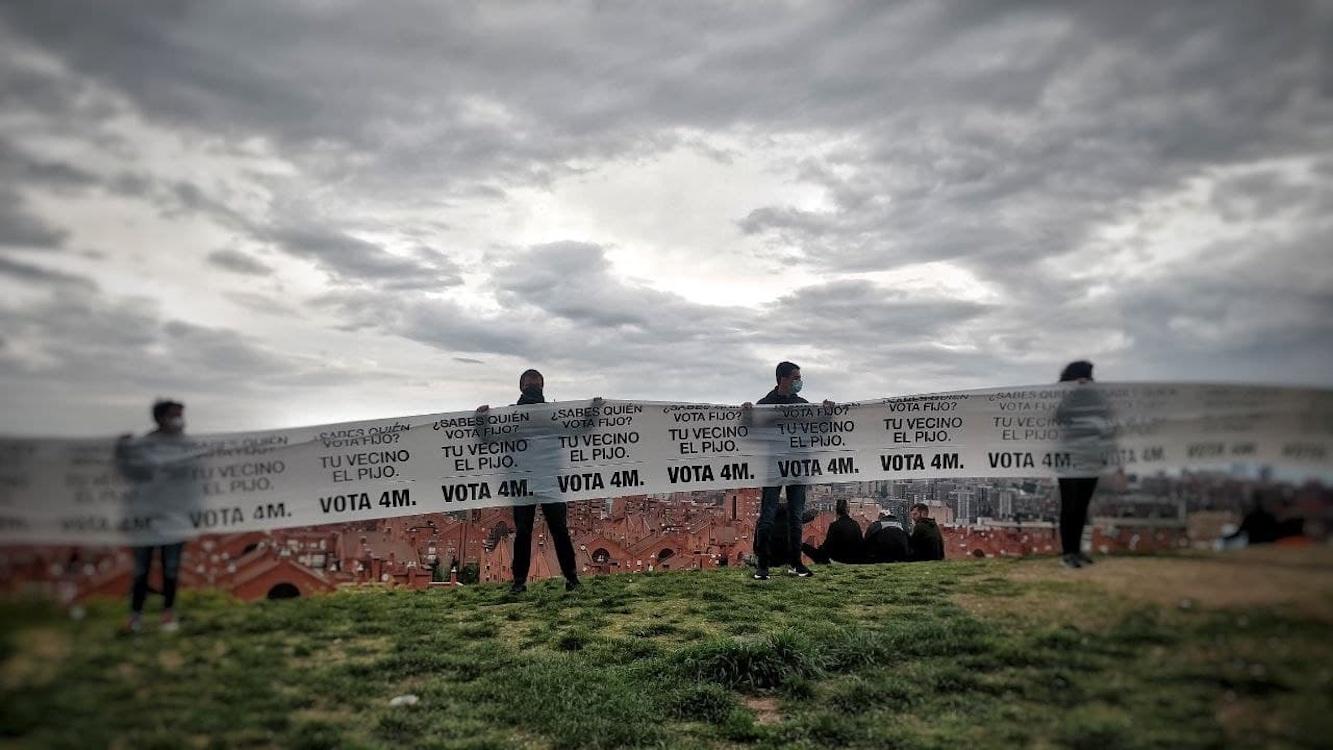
<point x="563" y="309"/>
<point x="994" y="135"/>
<point x="573" y="281"/>
<point x="1236" y="307"/>
<point x="1227" y="327"/>
<point x="185" y="196"/>
<point x="261" y="303"/>
<point x="824" y="312"/>
<point x="521" y="107"/>
<point x="176" y="197"/>
<point x="122" y="343"/>
<point x="37" y="274"/>
<point x="998" y="182"/>
<point x="21" y="229"/>
<point x="215" y="353"/>
<point x="131" y="183"/>
<point x="452" y="327"/>
<point x="104" y="358"/>
<point x="353" y="260"/>
<point x="530" y="93"/>
<point x="1268" y="194"/>
<point x="348" y="259"/>
<point x="19" y="166"/>
<point x="96" y="349"/>
<point x="38" y="91"/>
<point x="441" y="323"/>
<point x="18" y="227"/>
<point x="238" y="262"/>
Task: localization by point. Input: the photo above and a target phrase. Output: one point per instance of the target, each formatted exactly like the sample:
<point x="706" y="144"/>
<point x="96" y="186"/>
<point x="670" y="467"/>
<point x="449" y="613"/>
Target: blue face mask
<point x="796" y="386"/>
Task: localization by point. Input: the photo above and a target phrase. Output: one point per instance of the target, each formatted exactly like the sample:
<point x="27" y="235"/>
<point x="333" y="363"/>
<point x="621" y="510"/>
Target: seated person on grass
<point x="926" y="542"/>
<point x="886" y="541"/>
<point x="842" y="542"/>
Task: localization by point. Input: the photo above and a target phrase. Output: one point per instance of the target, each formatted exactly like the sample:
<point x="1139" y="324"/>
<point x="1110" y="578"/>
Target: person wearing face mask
<point x="788" y="385"/>
<point x="530" y="386"/>
<point x="149" y="462"/>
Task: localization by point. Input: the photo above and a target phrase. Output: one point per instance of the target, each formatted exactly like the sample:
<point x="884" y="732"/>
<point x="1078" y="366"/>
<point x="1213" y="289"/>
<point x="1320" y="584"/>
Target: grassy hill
<point x="1135" y="652"/>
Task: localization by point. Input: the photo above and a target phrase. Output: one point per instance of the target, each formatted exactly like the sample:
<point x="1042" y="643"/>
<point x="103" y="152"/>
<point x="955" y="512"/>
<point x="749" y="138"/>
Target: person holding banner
<point x="1085" y="422"/>
<point x="153" y="463"/>
<point x="785" y="392"/>
<point x="530" y="386"/>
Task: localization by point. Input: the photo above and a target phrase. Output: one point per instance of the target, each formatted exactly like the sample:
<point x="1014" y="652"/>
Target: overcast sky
<point x="292" y="215"/>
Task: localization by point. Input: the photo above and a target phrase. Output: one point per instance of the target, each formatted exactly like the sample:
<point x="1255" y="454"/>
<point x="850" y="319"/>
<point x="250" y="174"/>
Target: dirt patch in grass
<point x="512" y="632"/>
<point x="1301" y="578"/>
<point x="1092" y="610"/>
<point x="171" y="660"/>
<point x="1248" y="721"/>
<point x="766" y="710"/>
<point x="327" y="714"/>
<point x="661" y="625"/>
<point x="38" y="655"/>
<point x="342" y="651"/>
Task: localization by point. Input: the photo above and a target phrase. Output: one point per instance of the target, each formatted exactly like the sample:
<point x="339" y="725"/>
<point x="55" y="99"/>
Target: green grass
<point x="945" y="655"/>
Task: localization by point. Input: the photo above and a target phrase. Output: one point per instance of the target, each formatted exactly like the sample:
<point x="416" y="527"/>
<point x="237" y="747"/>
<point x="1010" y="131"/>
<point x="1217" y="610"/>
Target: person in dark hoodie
<point x="926" y="542"/>
<point x="886" y="540"/>
<point x="1257" y="527"/>
<point x="842" y="542"/>
<point x="788" y="385"/>
<point x="1085" y="424"/>
<point x="530" y="385"/>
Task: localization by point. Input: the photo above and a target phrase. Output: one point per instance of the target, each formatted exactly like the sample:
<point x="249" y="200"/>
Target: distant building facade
<point x="643" y="533"/>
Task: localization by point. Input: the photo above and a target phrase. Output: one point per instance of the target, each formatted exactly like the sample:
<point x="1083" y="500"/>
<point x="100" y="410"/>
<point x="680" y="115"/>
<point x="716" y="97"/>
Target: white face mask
<point x="796" y="386"/>
<point x="176" y="424"/>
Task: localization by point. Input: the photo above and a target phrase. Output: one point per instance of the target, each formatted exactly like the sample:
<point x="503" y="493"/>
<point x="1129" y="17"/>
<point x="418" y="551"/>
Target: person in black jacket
<point x="1258" y="526"/>
<point x="1085" y="426"/>
<point x="886" y="541"/>
<point x="788" y="385"/>
<point x="842" y="543"/>
<point x="926" y="542"/>
<point x="530" y="385"/>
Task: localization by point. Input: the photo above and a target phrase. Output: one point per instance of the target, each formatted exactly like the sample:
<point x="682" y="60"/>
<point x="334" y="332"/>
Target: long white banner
<point x="156" y="489"/>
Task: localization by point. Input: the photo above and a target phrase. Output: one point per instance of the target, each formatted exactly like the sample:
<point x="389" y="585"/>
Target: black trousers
<point x="768" y="511"/>
<point x="171" y="565"/>
<point x="818" y="554"/>
<point x="555" y="514"/>
<point x="1075" y="495"/>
